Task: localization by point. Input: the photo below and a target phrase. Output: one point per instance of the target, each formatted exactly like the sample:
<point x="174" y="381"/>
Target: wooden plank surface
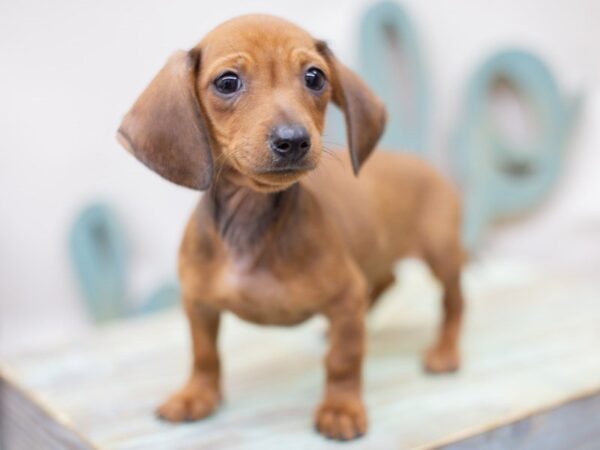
<point x="531" y="344"/>
<point x="25" y="425"/>
<point x="573" y="425"/>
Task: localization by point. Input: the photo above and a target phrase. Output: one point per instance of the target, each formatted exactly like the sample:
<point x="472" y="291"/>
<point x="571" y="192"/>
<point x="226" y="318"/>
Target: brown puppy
<point x="281" y="235"/>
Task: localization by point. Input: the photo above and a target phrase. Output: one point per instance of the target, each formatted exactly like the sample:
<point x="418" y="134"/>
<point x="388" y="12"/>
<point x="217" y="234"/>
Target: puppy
<point x="286" y="230"/>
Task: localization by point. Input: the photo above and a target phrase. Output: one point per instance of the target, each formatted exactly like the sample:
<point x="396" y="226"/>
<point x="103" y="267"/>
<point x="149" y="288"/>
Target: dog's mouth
<point x="294" y="169"/>
<point x="278" y="178"/>
<point x="272" y="175"/>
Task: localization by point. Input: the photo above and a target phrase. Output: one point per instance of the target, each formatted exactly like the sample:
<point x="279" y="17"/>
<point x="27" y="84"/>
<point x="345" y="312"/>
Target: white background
<point x="69" y="70"/>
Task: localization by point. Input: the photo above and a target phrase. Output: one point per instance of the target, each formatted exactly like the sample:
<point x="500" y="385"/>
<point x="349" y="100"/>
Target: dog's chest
<point x="259" y="295"/>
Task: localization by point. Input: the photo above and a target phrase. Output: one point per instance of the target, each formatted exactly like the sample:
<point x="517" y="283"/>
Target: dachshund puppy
<point x="288" y="229"/>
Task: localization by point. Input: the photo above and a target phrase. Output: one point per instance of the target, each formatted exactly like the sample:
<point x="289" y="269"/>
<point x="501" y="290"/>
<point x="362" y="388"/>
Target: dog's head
<point x="250" y="97"/>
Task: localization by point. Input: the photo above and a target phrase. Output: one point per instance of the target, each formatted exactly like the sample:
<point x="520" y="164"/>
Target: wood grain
<point x="25" y="425"/>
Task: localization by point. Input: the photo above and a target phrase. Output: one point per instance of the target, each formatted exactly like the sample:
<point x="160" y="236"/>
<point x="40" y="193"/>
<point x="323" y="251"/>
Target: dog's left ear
<point x="165" y="130"/>
<point x="364" y="112"/>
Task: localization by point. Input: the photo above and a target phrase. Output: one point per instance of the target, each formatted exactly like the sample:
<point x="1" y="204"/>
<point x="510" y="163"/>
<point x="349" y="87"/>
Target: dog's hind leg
<point x="439" y="228"/>
<point x="444" y="354"/>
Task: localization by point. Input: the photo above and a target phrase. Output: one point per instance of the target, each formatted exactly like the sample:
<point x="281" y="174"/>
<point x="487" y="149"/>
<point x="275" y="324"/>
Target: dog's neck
<point x="244" y="217"/>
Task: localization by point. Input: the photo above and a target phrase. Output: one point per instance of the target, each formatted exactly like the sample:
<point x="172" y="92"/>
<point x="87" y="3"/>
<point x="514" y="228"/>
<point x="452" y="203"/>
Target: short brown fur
<point x="277" y="245"/>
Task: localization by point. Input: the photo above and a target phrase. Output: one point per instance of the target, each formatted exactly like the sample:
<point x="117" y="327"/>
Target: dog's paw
<point x="342" y="418"/>
<point x="440" y="359"/>
<point x="191" y="403"/>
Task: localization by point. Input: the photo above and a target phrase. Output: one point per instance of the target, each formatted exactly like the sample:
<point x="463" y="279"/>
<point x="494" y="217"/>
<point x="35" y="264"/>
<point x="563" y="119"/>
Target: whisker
<point x="334" y="143"/>
<point x="335" y="155"/>
<point x="220" y="167"/>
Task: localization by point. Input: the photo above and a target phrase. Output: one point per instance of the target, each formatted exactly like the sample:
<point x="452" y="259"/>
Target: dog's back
<point x="398" y="206"/>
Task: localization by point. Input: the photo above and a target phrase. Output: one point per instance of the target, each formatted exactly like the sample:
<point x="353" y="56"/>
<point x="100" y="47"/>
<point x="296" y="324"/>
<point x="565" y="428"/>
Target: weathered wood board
<point x="530" y="379"/>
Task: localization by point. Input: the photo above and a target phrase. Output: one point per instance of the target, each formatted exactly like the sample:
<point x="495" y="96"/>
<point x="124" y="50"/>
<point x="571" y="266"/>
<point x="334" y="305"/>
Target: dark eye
<point x="228" y="83"/>
<point x="314" y="79"/>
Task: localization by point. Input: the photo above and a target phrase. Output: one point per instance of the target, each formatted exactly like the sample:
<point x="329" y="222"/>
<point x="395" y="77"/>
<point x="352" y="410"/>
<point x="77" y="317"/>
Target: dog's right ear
<point x="164" y="129"/>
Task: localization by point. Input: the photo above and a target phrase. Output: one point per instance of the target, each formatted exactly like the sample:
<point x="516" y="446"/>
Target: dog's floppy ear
<point x="364" y="112"/>
<point x="164" y="129"/>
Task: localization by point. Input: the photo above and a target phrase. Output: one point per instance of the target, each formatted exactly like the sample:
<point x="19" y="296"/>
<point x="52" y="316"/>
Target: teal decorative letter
<point x="501" y="178"/>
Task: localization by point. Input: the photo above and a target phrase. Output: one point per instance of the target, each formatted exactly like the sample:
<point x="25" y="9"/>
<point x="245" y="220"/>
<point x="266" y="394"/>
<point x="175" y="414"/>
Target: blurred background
<point x="69" y="70"/>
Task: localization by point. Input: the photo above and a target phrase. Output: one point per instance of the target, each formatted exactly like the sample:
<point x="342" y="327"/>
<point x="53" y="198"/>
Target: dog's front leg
<point x="202" y="393"/>
<point x="342" y="413"/>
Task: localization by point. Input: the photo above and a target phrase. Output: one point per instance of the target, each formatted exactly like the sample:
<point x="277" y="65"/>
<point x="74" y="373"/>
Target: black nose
<point x="290" y="141"/>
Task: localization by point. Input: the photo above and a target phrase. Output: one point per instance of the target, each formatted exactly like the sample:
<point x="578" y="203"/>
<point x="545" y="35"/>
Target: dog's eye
<point x="228" y="83"/>
<point x="314" y="79"/>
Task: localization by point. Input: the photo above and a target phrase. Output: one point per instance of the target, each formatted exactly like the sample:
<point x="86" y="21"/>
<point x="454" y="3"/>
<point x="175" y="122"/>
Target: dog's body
<point x="262" y="255"/>
<point x="280" y="238"/>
